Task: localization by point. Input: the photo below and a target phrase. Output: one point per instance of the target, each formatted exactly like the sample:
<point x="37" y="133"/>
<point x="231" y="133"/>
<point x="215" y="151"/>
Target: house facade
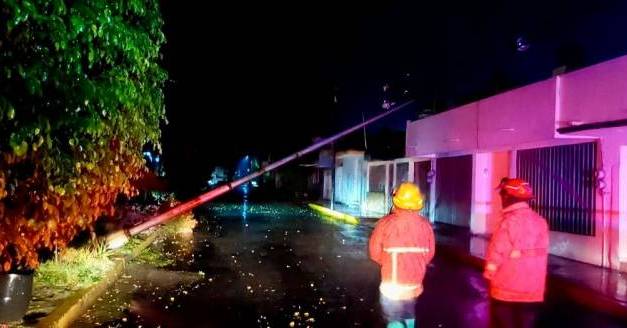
<point x="566" y="135"/>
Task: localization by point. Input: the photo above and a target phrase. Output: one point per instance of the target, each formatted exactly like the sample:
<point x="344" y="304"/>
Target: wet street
<point x="283" y="266"/>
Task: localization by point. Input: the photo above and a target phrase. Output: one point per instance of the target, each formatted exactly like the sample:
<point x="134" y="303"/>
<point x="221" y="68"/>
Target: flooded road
<point x="283" y="266"/>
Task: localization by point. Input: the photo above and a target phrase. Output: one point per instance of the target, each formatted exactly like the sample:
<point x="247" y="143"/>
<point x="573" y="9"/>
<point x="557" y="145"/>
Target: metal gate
<point x="376" y="197"/>
<point x="562" y="178"/>
<point x="453" y="188"/>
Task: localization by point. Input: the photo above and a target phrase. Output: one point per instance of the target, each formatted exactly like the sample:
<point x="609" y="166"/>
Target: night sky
<point x="261" y="77"/>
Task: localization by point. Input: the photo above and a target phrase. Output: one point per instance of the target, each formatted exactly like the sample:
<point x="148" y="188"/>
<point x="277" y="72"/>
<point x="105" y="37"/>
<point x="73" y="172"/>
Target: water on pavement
<point x="277" y="265"/>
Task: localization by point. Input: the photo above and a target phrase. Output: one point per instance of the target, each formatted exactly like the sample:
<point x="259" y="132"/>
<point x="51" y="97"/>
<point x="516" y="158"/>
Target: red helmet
<point x="516" y="187"/>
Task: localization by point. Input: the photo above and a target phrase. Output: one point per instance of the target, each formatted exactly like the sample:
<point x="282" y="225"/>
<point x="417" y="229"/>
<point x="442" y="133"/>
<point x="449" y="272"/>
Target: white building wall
<point x="350" y="179"/>
<point x="527" y="118"/>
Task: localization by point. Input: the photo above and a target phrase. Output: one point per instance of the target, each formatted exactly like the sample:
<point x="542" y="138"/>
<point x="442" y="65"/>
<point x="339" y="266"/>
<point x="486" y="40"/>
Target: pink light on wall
<point x="559" y="113"/>
<point x="488" y="169"/>
<point x="481" y="194"/>
<point x="594" y="94"/>
<point x="585" y="105"/>
<point x="451" y="131"/>
<point x="520" y="116"/>
<point x="622" y="205"/>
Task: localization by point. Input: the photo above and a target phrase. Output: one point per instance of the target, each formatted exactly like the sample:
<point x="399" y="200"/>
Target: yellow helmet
<point x="408" y="197"/>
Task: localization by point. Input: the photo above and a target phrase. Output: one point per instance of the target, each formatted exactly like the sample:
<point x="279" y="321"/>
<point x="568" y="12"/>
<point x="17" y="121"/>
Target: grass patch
<point x="130" y="245"/>
<point x="75" y="268"/>
<point x="154" y="257"/>
<point x="182" y="224"/>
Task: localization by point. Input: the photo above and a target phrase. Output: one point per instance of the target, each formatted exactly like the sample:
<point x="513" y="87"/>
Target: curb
<point x="557" y="287"/>
<point x="68" y="311"/>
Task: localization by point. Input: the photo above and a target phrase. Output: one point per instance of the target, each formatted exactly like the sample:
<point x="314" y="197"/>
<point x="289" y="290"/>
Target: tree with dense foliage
<point x="81" y="92"/>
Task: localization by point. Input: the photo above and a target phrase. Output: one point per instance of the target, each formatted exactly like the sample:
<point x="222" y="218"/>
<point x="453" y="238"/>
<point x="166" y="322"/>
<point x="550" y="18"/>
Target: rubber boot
<point x="410" y="323"/>
<point x="396" y="324"/>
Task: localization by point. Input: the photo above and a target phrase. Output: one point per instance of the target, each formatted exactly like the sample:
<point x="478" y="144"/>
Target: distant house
<point x="350" y="180"/>
<point x="351" y="169"/>
<point x="219" y="175"/>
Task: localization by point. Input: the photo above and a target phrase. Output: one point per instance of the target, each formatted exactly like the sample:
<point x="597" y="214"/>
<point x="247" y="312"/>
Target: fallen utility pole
<point x="119" y="238"/>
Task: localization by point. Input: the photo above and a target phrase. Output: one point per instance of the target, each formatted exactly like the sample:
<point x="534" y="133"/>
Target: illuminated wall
<point x="350" y="178"/>
<point x="377" y="193"/>
<point x="488" y="170"/>
<point x="623" y="206"/>
<point x="588" y="105"/>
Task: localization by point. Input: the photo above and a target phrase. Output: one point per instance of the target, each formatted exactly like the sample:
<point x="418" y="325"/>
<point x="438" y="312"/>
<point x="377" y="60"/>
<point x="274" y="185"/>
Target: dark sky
<point x="260" y="77"/>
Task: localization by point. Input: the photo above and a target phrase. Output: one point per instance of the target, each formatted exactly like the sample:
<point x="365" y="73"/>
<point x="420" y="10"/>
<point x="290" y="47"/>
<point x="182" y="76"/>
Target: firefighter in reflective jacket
<point x="517" y="258"/>
<point x="402" y="243"/>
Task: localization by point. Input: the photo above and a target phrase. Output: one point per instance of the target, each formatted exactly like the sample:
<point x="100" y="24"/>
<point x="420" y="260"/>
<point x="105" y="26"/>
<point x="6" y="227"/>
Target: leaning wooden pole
<point x="119" y="238"/>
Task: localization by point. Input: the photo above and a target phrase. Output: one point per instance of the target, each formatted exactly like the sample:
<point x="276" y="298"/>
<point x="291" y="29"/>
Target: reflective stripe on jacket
<point x="517" y="256"/>
<point x="403" y="244"/>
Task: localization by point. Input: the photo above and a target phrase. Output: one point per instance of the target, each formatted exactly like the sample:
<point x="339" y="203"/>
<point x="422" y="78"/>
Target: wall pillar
<point x="432" y="190"/>
<point x="488" y="169"/>
<point x="622" y="209"/>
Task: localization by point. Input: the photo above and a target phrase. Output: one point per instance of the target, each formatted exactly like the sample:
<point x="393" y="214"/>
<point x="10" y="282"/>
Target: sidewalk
<point x="602" y="289"/>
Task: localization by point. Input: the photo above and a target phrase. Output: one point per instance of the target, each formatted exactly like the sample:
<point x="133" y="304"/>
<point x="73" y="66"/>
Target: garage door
<point x="453" y="188"/>
<point x="564" y="185"/>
